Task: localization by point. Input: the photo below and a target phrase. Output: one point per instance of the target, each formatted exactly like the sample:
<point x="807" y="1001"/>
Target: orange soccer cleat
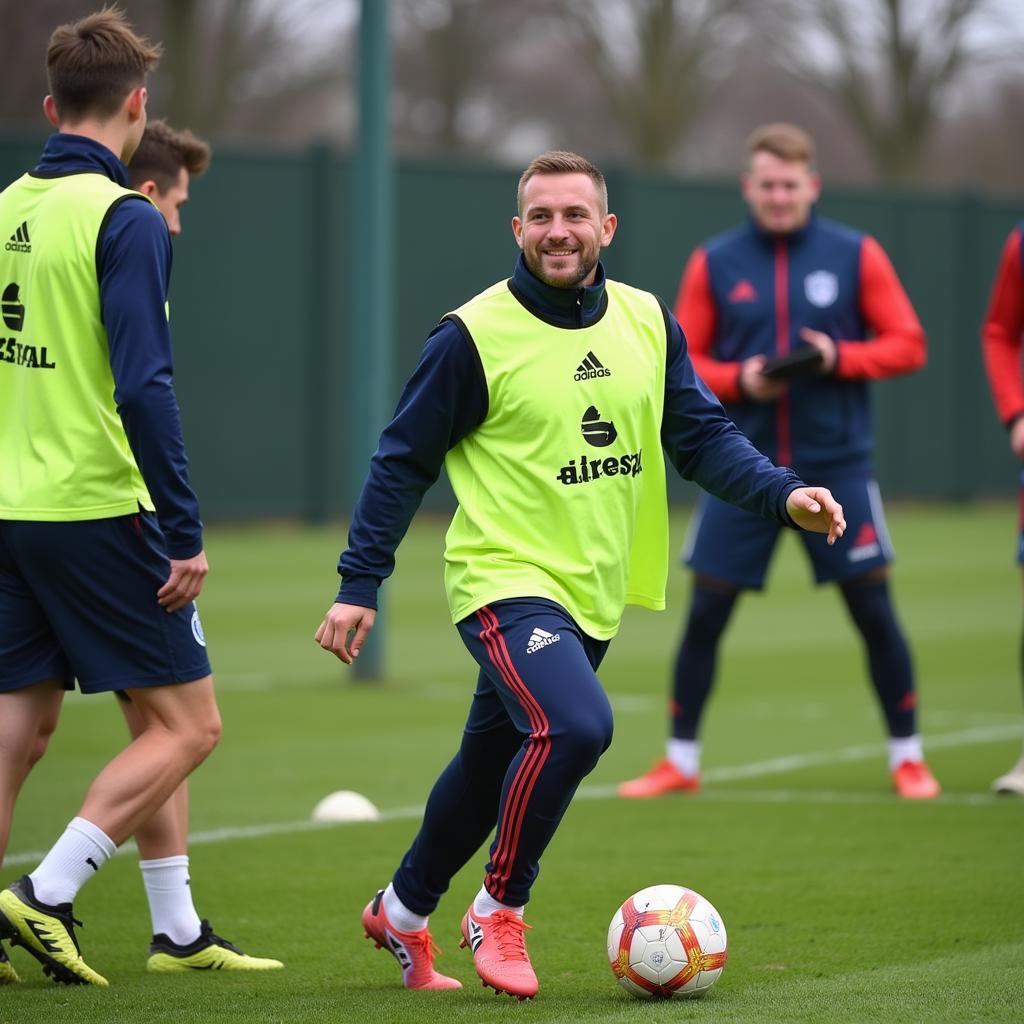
<point x="913" y="781"/>
<point x="663" y="778"/>
<point x="498" y="944"/>
<point x="414" y="951"/>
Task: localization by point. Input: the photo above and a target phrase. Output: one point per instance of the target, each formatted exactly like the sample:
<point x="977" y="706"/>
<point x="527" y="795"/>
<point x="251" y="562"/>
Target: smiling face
<point x="780" y="193"/>
<point x="562" y="227"/>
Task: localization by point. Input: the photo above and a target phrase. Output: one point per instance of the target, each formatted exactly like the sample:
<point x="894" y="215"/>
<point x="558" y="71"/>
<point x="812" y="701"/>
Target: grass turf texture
<point x="841" y="903"/>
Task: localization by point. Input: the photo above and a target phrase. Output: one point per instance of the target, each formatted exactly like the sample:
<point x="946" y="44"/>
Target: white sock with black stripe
<point x="79" y="853"/>
<point x="170" y="899"/>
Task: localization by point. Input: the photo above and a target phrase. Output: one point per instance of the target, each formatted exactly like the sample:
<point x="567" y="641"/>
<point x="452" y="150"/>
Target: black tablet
<point x="803" y="360"/>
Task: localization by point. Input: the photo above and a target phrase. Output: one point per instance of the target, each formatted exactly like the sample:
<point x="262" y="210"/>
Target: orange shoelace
<point x="510" y="934"/>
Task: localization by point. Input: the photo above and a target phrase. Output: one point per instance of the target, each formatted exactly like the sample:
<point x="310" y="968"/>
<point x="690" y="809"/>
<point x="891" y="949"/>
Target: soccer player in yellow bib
<point x="549" y="398"/>
<point x="100" y="560"/>
<point x="162" y="168"/>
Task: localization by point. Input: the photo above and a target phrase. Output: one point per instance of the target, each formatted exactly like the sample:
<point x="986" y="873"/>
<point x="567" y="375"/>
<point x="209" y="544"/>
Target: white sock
<point x="485" y="904"/>
<point x="79" y="853"/>
<point x="399" y="914"/>
<point x="904" y="748"/>
<point x="685" y="755"/>
<point x="170" y="899"/>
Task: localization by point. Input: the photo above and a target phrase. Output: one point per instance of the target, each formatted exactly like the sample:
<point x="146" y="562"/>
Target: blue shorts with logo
<point x="78" y="601"/>
<point x="730" y="544"/>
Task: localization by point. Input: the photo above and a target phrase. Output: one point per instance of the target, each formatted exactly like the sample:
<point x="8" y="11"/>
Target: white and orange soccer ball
<point x="666" y="941"/>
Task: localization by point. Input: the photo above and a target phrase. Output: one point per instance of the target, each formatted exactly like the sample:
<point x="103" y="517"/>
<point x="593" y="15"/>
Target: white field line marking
<point x="811" y="796"/>
<point x="780" y="765"/>
<point x="756" y="769"/>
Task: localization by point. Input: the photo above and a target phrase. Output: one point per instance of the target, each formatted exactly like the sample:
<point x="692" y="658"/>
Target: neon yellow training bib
<point x="561" y="489"/>
<point x="63" y="450"/>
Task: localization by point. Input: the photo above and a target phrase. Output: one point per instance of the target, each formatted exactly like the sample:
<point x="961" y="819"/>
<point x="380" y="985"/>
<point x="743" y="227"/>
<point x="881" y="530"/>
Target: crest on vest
<point x="821" y="288"/>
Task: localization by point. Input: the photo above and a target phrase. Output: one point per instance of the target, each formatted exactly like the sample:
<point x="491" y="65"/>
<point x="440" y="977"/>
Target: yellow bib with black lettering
<point x="63" y="450"/>
<point x="561" y="489"/>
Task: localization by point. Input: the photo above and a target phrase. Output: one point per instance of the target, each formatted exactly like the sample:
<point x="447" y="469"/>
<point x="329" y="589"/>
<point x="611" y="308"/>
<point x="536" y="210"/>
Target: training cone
<point x="345" y="805"/>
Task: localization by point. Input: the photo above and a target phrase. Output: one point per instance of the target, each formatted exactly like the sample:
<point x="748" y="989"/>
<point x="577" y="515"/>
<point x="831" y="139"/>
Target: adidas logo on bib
<point x="20" y="241"/>
<point x="540" y="638"/>
<point x="590" y="368"/>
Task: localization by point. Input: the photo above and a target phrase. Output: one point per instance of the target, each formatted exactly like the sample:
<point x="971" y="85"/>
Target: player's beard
<point x="587" y="259"/>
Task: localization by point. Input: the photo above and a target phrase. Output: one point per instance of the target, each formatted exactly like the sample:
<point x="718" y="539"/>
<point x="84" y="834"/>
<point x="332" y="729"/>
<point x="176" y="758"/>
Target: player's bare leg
<point x="182" y="726"/>
<point x="181" y="940"/>
<point x="165" y="833"/>
<point x="27" y="720"/>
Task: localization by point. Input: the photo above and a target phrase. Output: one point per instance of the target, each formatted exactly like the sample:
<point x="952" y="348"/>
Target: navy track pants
<point x="538" y="723"/>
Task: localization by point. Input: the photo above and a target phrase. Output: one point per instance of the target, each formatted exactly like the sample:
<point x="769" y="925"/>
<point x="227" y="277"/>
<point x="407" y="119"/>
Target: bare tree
<point x="447" y="78"/>
<point x="887" y="65"/>
<point x="224" y="58"/>
<point x="656" y="63"/>
<point x="230" y="67"/>
<point x="983" y="142"/>
<point x="23" y="41"/>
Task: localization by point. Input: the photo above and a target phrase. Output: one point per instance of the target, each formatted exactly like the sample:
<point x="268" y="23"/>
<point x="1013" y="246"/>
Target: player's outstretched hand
<point x="184" y="583"/>
<point x="814" y="509"/>
<point x="340" y="620"/>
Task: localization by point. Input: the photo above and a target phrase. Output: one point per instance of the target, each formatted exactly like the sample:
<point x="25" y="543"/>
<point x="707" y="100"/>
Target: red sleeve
<point x="898" y="345"/>
<point x="695" y="310"/>
<point x="1001" y="332"/>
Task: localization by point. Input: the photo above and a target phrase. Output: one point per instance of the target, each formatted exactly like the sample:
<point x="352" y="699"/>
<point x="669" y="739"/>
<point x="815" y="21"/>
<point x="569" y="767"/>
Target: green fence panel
<point x="266" y="367"/>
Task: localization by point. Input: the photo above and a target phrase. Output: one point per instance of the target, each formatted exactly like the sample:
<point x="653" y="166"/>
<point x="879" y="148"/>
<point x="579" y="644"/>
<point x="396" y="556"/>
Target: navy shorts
<point x="78" y="601"/>
<point x="730" y="544"/>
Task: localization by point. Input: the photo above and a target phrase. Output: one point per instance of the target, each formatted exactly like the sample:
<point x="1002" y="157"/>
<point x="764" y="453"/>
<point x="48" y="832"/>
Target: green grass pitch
<point x="841" y="903"/>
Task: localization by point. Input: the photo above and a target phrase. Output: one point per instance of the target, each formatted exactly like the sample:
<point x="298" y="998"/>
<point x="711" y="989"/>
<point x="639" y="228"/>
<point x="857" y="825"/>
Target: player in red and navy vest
<point x="1001" y="337"/>
<point x="789" y="317"/>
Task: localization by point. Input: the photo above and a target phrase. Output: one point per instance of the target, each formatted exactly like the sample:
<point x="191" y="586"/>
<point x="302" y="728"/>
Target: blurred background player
<point x="93" y="584"/>
<point x="788" y="283"/>
<point x="163" y="167"/>
<point x="1001" y="340"/>
<point x="562" y="520"/>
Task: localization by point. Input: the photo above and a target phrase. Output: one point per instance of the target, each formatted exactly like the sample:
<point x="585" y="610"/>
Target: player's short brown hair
<point x="786" y="141"/>
<point x="94" y="63"/>
<point x="163" y="152"/>
<point x="560" y="161"/>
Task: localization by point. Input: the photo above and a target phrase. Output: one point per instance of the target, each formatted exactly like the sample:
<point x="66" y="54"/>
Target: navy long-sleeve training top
<point x="446" y="398"/>
<point x="134" y="270"/>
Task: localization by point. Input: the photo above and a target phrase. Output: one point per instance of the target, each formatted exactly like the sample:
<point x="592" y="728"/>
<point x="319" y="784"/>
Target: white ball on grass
<point x="345" y="805"/>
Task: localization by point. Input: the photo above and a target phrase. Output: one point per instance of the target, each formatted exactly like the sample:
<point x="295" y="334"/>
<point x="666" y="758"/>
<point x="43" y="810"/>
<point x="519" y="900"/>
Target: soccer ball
<point x="666" y="941"/>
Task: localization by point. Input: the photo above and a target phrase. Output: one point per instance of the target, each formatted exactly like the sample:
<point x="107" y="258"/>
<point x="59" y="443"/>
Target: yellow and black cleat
<point x="8" y="975"/>
<point x="208" y="953"/>
<point x="48" y="933"/>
